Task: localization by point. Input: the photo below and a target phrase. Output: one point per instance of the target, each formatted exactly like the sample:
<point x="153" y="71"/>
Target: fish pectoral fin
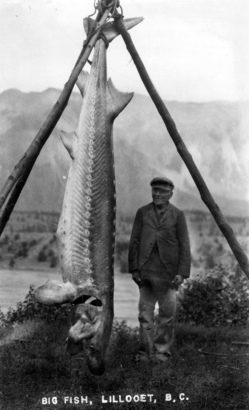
<point x="69" y="140"/>
<point x="82" y="82"/>
<point x="56" y="293"/>
<point x="116" y="100"/>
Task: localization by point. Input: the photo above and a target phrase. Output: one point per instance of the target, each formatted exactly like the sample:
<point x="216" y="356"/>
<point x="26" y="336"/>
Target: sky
<point x="194" y="50"/>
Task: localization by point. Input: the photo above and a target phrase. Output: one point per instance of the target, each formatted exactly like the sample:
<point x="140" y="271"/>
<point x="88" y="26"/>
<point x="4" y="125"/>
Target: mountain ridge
<point x="214" y="132"/>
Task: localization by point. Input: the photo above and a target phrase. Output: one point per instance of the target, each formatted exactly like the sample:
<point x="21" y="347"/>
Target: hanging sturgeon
<point x="86" y="230"/>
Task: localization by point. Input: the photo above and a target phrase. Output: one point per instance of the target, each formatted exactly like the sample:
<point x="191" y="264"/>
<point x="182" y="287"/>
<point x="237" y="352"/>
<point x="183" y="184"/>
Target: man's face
<point x="161" y="196"/>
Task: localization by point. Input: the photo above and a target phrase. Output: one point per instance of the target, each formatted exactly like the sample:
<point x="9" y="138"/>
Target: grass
<point x="205" y="366"/>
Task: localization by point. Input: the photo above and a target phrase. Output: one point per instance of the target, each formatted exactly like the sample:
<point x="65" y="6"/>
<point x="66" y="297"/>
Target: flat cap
<point x="162" y="182"/>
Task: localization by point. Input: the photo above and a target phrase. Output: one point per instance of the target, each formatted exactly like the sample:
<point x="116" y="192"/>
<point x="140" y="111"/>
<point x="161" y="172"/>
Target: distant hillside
<point x="216" y="134"/>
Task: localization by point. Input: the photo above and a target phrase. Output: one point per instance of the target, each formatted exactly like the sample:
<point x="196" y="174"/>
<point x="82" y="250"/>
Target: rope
<point x="102" y="5"/>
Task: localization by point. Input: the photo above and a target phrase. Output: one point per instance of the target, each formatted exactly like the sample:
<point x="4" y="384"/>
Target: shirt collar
<point x="160" y="211"/>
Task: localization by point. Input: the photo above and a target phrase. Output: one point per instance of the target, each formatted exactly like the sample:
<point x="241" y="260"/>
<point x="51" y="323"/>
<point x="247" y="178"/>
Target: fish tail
<point x="109" y="30"/>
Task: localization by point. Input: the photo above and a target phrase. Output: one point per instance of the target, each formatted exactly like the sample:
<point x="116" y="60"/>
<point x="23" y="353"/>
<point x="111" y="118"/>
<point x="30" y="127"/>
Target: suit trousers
<point x="156" y="336"/>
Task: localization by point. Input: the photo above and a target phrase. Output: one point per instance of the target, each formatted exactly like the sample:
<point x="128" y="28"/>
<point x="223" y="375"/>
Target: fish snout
<point x="87" y="322"/>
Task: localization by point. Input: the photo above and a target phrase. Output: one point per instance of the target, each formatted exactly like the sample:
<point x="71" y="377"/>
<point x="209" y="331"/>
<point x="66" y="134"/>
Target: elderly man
<point x="159" y="260"/>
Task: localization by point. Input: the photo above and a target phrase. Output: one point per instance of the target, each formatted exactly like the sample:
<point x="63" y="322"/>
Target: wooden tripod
<point x="18" y="178"/>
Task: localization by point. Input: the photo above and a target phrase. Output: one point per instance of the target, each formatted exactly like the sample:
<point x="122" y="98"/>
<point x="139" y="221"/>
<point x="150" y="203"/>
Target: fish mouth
<point x="88" y="299"/>
<point x="86" y="321"/>
<point x="87" y="333"/>
<point x="88" y="312"/>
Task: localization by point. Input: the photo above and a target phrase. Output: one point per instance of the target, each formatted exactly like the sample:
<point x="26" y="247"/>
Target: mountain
<point x="215" y="134"/>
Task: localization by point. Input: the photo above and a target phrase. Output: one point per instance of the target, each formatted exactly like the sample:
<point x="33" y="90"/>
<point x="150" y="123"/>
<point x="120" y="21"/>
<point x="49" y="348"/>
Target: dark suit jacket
<point x="171" y="235"/>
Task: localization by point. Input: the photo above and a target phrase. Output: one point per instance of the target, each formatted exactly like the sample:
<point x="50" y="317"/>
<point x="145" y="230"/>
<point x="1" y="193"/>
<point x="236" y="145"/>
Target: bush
<point x="30" y="309"/>
<point x="5" y="240"/>
<point x="53" y="261"/>
<point x="22" y="250"/>
<point x="42" y="256"/>
<point x="46" y="254"/>
<point x="123" y="262"/>
<point x="124" y="343"/>
<point x="12" y="262"/>
<point x="121" y="250"/>
<point x="220" y="299"/>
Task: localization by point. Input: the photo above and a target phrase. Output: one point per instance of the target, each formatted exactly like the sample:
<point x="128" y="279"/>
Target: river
<point x="14" y="286"/>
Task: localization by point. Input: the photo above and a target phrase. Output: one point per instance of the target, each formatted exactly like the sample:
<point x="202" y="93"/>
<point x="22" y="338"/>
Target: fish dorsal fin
<point x="82" y="82"/>
<point x="116" y="100"/>
<point x="69" y="140"/>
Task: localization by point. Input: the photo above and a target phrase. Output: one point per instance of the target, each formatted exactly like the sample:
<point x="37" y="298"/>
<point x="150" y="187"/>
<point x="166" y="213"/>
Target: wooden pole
<point x="13" y="197"/>
<point x="183" y="151"/>
<point x="19" y="176"/>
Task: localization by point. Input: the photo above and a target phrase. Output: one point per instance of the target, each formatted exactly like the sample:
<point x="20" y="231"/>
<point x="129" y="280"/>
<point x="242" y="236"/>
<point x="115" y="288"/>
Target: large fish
<point x="86" y="229"/>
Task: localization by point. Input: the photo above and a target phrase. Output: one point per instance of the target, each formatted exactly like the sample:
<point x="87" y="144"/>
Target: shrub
<point x="30" y="309"/>
<point x="219" y="299"/>
<point x="22" y="250"/>
<point x="53" y="261"/>
<point x="123" y="262"/>
<point x="48" y="254"/>
<point x="5" y="240"/>
<point x="12" y="262"/>
<point x="122" y="244"/>
<point x="124" y="342"/>
<point x="121" y="250"/>
<point x="42" y="256"/>
<point x="33" y="242"/>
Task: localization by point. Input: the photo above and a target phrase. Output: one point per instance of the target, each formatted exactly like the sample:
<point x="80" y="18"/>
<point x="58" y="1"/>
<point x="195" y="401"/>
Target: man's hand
<point x="136" y="277"/>
<point x="177" y="281"/>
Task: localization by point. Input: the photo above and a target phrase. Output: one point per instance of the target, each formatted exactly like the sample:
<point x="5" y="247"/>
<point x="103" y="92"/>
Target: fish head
<point x="90" y="332"/>
<point x="86" y="322"/>
<point x="92" y="319"/>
